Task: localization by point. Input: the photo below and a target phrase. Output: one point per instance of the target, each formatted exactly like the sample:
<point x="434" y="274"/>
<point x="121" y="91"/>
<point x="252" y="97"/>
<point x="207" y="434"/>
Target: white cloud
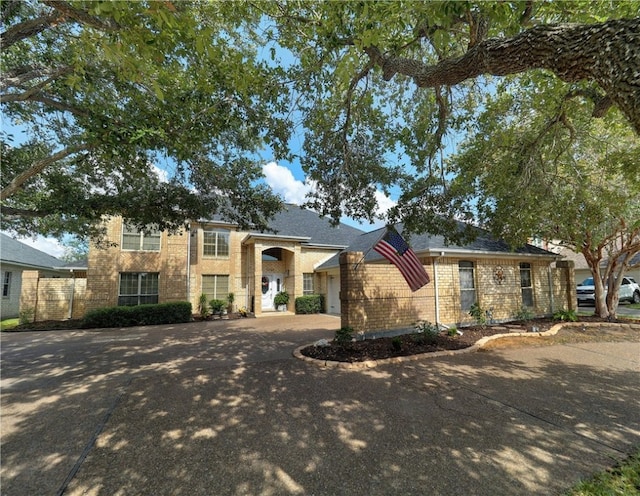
<point x="50" y="246"/>
<point x="163" y="175"/>
<point x="282" y="182"/>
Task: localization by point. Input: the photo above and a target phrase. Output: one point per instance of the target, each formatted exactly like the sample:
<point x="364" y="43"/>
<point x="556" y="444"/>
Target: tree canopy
<point x="150" y="110"/>
<point x="381" y="91"/>
<point x="529" y="171"/>
<point x="386" y="87"/>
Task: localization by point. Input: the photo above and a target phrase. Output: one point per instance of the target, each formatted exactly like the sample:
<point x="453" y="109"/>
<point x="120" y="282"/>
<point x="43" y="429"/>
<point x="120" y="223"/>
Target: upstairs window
<point x="133" y="238"/>
<point x="216" y="243"/>
<point x="526" y="284"/>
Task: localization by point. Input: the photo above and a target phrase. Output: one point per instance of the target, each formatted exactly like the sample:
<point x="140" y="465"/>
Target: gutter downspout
<point x="73" y="290"/>
<point x="435" y="288"/>
<point x="188" y="262"/>
<point x="550" y="286"/>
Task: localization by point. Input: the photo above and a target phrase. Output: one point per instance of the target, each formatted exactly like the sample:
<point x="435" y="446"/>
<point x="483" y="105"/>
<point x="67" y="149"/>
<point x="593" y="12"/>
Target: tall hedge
<point x="310" y="304"/>
<point x="162" y="313"/>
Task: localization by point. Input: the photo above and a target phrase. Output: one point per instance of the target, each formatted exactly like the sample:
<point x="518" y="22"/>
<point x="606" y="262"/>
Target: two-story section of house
<point x="138" y="266"/>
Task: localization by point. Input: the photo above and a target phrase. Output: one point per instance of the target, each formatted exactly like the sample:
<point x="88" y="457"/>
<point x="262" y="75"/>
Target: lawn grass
<point x="9" y="324"/>
<point x="635" y="306"/>
<point x="621" y="480"/>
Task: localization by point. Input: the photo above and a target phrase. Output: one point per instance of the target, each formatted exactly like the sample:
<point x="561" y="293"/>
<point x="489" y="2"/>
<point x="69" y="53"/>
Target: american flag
<point x="395" y="249"/>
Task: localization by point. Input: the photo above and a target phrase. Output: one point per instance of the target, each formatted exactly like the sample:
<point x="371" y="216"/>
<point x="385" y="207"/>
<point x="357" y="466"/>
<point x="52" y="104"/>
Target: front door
<point x="270" y="286"/>
<point x="333" y="295"/>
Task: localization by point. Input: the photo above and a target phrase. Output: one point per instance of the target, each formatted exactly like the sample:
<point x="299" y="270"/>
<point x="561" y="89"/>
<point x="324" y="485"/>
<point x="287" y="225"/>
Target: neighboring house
<point x="16" y="258"/>
<point x="215" y="258"/>
<point x="505" y="283"/>
<point x="582" y="269"/>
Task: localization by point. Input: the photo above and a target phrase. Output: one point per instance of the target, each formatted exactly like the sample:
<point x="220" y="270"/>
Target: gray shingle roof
<point x="14" y="252"/>
<point x="296" y="221"/>
<point x="484" y="243"/>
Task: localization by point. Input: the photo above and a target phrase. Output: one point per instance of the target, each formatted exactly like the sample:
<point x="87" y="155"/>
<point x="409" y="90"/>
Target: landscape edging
<point x="367" y="364"/>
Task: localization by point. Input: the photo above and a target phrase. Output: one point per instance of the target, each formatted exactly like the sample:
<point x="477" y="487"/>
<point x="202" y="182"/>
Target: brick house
<point x="215" y="258"/>
<point x="306" y="255"/>
<point x="505" y="283"/>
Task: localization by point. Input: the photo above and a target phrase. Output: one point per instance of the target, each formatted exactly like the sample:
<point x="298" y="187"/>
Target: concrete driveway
<point x="222" y="408"/>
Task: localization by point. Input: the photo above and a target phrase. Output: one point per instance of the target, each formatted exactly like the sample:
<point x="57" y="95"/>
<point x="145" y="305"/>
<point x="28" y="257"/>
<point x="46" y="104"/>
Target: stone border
<point x="475" y="347"/>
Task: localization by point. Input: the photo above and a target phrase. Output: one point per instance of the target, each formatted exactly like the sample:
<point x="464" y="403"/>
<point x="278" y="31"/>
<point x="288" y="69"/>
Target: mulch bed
<point x="412" y="344"/>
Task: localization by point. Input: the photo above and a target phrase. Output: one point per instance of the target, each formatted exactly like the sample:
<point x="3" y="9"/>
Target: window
<point x="526" y="285"/>
<point x="216" y="243"/>
<point x="6" y="285"/>
<point x="216" y="286"/>
<point x="138" y="288"/>
<point x="467" y="285"/>
<point x="307" y="283"/>
<point x="136" y="239"/>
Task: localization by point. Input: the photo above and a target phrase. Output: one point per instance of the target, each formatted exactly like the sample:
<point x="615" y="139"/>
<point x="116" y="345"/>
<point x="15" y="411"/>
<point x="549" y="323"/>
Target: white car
<point x="629" y="291"/>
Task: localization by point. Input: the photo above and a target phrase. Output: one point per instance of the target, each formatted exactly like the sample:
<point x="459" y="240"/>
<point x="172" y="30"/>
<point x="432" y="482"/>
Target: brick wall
<point x="52" y="298"/>
<point x="376" y="296"/>
<point x="106" y="263"/>
<point x="181" y="259"/>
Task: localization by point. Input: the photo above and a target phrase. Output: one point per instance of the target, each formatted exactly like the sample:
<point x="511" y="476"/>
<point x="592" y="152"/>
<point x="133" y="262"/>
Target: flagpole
<point x="355" y="266"/>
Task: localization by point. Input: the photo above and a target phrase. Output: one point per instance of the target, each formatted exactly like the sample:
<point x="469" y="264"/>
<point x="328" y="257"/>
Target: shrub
<point x="27" y="315"/>
<point x="163" y="313"/>
<point x="230" y="299"/>
<point x="216" y="306"/>
<point x="343" y="336"/>
<point x="479" y="315"/>
<point x="203" y="305"/>
<point x="452" y="331"/>
<point x="524" y="314"/>
<point x="566" y="315"/>
<point x="428" y="331"/>
<point x="396" y="343"/>
<point x="282" y="298"/>
<point x="309" y="304"/>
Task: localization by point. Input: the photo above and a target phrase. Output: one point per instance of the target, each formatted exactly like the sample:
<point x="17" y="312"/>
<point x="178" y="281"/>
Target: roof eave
<point x="278" y="237"/>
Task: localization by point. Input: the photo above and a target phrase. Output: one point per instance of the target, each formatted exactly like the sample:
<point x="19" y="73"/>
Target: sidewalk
<point x="222" y="410"/>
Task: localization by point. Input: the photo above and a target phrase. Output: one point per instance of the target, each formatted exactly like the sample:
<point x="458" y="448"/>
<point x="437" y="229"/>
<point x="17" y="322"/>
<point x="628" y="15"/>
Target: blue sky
<point x="285" y="178"/>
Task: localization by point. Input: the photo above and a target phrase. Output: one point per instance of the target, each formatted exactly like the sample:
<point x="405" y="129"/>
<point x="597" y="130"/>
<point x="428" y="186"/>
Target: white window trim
<point x="217" y="232"/>
<point x="151" y="233"/>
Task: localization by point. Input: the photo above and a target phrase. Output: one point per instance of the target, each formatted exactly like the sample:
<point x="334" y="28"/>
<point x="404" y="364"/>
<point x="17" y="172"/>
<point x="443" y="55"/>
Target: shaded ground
<point x="417" y="343"/>
<point x="222" y="408"/>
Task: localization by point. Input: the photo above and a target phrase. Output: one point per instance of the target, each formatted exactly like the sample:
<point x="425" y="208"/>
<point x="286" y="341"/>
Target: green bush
<point x="479" y="315"/>
<point x="566" y="315"/>
<point x="282" y="298"/>
<point x="524" y="313"/>
<point x="428" y="332"/>
<point x="343" y="336"/>
<point x="163" y="313"/>
<point x="309" y="304"/>
<point x="217" y="306"/>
